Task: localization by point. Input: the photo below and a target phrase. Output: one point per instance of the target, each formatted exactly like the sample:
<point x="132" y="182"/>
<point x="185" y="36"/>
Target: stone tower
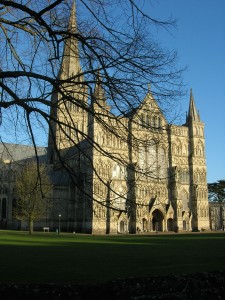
<point x="197" y="168"/>
<point x="68" y="125"/>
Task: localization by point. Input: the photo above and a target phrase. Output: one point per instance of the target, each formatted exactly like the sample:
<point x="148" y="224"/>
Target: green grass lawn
<point x="47" y="257"/>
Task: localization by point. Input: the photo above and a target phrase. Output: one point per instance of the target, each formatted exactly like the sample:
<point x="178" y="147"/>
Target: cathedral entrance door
<point x="157" y="220"/>
<point x="170" y="225"/>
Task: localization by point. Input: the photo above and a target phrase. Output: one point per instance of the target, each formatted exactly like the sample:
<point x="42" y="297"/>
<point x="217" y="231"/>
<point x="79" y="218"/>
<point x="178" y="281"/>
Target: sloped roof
<point x="17" y="152"/>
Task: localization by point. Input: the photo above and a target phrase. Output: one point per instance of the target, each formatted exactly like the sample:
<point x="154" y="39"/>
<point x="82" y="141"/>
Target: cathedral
<point x="115" y="174"/>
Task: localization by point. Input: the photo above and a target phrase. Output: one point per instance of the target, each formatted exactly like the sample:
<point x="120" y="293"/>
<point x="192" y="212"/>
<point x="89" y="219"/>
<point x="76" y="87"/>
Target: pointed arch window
<point x="162" y="163"/>
<point x="118" y="172"/>
<point x="159" y="122"/>
<point x="151" y="158"/>
<point x="147" y="120"/>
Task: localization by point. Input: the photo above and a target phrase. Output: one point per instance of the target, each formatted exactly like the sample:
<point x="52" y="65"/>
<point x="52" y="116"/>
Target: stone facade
<point x="138" y="172"/>
<point x="132" y="173"/>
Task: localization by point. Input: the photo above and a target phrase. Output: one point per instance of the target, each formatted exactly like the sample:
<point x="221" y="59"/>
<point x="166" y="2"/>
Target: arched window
<point x="147" y="120"/>
<point x="142" y="156"/>
<point x="118" y="172"/>
<point x="199" y="149"/>
<point x="103" y="140"/>
<point x="184" y="176"/>
<point x="185" y="149"/>
<point x="142" y="120"/>
<point x="162" y="163"/>
<point x="159" y="122"/>
<point x="197" y="131"/>
<point x="151" y="158"/>
<point x="177" y="147"/>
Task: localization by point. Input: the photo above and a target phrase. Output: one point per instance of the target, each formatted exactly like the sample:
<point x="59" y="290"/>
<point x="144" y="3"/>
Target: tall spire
<point x="192" y="113"/>
<point x="70" y="62"/>
<point x="99" y="93"/>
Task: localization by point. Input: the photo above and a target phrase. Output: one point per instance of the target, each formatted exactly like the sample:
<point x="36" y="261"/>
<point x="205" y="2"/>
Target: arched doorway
<point x="157" y="220"/>
<point x="170" y="224"/>
<point x="185" y="225"/>
<point x="122" y="226"/>
<point x="144" y="225"/>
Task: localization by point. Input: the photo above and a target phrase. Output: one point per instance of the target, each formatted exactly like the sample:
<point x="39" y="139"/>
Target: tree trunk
<point x="31" y="224"/>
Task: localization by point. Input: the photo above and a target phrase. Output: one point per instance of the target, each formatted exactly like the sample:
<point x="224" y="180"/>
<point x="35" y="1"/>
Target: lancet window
<point x="152" y="160"/>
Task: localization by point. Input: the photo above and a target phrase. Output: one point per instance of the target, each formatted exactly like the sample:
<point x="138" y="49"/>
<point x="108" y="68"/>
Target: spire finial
<point x="149" y="87"/>
<point x="72" y="21"/>
<point x="191" y="95"/>
<point x="192" y="113"/>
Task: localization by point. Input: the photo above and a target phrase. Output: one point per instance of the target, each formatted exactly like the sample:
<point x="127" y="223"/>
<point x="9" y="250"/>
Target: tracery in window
<point x="118" y="171"/>
<point x="152" y="160"/>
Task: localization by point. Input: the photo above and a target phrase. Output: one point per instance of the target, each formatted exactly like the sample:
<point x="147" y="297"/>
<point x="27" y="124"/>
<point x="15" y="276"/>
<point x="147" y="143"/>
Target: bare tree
<point x="33" y="190"/>
<point x="118" y="58"/>
<point x="33" y="34"/>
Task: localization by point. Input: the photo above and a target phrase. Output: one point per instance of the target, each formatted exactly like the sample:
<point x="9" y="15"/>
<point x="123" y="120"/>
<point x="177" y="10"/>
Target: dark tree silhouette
<point x="216" y="191"/>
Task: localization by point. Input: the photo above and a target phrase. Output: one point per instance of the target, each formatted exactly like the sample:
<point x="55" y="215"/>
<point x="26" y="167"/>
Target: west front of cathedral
<point x="121" y="174"/>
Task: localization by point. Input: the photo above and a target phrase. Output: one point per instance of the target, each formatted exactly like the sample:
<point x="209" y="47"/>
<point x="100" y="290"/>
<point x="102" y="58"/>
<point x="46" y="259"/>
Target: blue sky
<point x="200" y="41"/>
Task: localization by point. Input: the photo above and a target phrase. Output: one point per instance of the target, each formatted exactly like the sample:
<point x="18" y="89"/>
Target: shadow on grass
<point x="47" y="257"/>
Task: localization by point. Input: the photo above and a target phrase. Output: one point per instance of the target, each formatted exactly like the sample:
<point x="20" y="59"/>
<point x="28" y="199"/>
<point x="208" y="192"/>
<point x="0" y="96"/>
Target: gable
<point x="149" y="113"/>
